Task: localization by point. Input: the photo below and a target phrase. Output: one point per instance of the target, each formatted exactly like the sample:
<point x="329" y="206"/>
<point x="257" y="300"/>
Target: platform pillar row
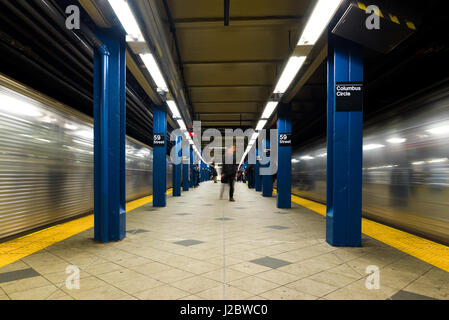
<point x="257" y="177"/>
<point x="185" y="165"/>
<point x="177" y="168"/>
<point x="267" y="179"/>
<point x="109" y="136"/>
<point x="159" y="157"/>
<point x="344" y="147"/>
<point x="192" y="171"/>
<point x="284" y="167"/>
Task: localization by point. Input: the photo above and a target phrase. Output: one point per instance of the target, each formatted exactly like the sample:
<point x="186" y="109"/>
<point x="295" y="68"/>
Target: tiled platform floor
<point x="201" y="247"/>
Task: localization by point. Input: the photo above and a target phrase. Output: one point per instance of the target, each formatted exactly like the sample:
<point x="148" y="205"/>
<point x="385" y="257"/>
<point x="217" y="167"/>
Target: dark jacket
<point x="229" y="171"/>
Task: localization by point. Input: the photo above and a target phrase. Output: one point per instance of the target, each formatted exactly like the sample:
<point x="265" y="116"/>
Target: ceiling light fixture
<point x="261" y="124"/>
<point x="153" y="68"/>
<point x="321" y="15"/>
<point x="289" y="73"/>
<point x="127" y="19"/>
<point x="269" y="108"/>
<point x="173" y="109"/>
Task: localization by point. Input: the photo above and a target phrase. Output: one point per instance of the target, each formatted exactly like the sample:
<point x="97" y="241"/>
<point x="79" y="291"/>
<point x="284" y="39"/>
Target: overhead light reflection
<point x="396" y="140"/>
<point x="439" y="130"/>
<point x="372" y="146"/>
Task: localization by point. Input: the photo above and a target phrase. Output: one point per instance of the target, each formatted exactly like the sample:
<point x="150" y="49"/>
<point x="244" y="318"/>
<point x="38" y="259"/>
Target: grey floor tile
<point x="271" y="262"/>
<point x="277" y="227"/>
<point x="405" y="295"/>
<point x="18" y="275"/>
<point x="188" y="242"/>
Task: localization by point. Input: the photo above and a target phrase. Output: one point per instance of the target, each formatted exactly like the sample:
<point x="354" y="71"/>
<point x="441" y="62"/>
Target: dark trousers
<point x="231" y="188"/>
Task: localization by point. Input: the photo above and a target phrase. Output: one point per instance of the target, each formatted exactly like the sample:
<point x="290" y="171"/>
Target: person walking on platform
<point x="228" y="175"/>
<point x="250" y="175"/>
<point x="214" y="172"/>
<point x="196" y="176"/>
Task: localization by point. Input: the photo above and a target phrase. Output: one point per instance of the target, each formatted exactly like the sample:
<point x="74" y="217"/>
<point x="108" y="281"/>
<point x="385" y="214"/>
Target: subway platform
<point x="203" y="247"/>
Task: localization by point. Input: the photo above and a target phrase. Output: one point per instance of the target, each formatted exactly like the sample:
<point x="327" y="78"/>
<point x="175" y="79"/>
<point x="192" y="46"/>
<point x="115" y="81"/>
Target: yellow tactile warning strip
<point x="431" y="252"/>
<point x="19" y="248"/>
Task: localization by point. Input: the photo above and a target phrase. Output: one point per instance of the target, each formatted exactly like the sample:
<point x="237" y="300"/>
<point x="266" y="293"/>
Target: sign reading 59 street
<point x="285" y="139"/>
<point x="158" y="139"/>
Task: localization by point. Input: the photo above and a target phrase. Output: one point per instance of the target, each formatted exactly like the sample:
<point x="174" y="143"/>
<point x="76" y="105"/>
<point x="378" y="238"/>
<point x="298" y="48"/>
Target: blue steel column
<point x="177" y="168"/>
<point x="191" y="181"/>
<point x="257" y="177"/>
<point x="267" y="179"/>
<point x="284" y="172"/>
<point x="159" y="158"/>
<point x="185" y="165"/>
<point x="109" y="136"/>
<point x="344" y="149"/>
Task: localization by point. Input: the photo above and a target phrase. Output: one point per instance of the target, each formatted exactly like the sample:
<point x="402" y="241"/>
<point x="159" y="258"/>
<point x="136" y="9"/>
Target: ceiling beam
<point x="221" y="112"/>
<point x="237" y="22"/>
<point x="227" y="62"/>
<point x="95" y="13"/>
<point x="232" y="86"/>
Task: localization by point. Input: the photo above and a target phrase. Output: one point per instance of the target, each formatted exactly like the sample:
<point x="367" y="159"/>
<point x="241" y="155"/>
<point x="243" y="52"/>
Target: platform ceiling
<point x="230" y="71"/>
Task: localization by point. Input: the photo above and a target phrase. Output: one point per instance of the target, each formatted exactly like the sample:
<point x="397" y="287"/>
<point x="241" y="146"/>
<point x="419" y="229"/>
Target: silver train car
<point x="405" y="168"/>
<point x="46" y="161"/>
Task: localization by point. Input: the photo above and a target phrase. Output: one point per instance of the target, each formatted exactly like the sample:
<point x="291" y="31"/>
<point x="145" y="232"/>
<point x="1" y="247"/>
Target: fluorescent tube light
<point x="321" y="15"/>
<point x="173" y="108"/>
<point x="269" y="108"/>
<point x="254" y="136"/>
<point x="181" y="124"/>
<point x="261" y="124"/>
<point x="289" y="73"/>
<point x="127" y="19"/>
<point x="153" y="68"/>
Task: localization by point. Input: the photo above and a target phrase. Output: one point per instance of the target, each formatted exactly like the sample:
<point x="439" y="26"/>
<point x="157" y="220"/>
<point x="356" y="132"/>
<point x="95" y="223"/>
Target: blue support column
<point x="257" y="177"/>
<point x="284" y="172"/>
<point x="177" y="168"/>
<point x="267" y="179"/>
<point x="109" y="136"/>
<point x="192" y="172"/>
<point x="344" y="149"/>
<point x="185" y="165"/>
<point x="159" y="158"/>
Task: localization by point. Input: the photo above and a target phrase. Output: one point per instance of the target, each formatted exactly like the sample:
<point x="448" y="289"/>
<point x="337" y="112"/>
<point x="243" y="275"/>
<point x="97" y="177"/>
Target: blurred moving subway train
<point x="405" y="167"/>
<point x="46" y="161"/>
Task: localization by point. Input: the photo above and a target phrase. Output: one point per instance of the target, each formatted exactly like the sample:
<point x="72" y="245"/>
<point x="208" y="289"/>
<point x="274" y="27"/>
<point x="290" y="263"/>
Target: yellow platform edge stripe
<point x="21" y="247"/>
<point x="426" y="250"/>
